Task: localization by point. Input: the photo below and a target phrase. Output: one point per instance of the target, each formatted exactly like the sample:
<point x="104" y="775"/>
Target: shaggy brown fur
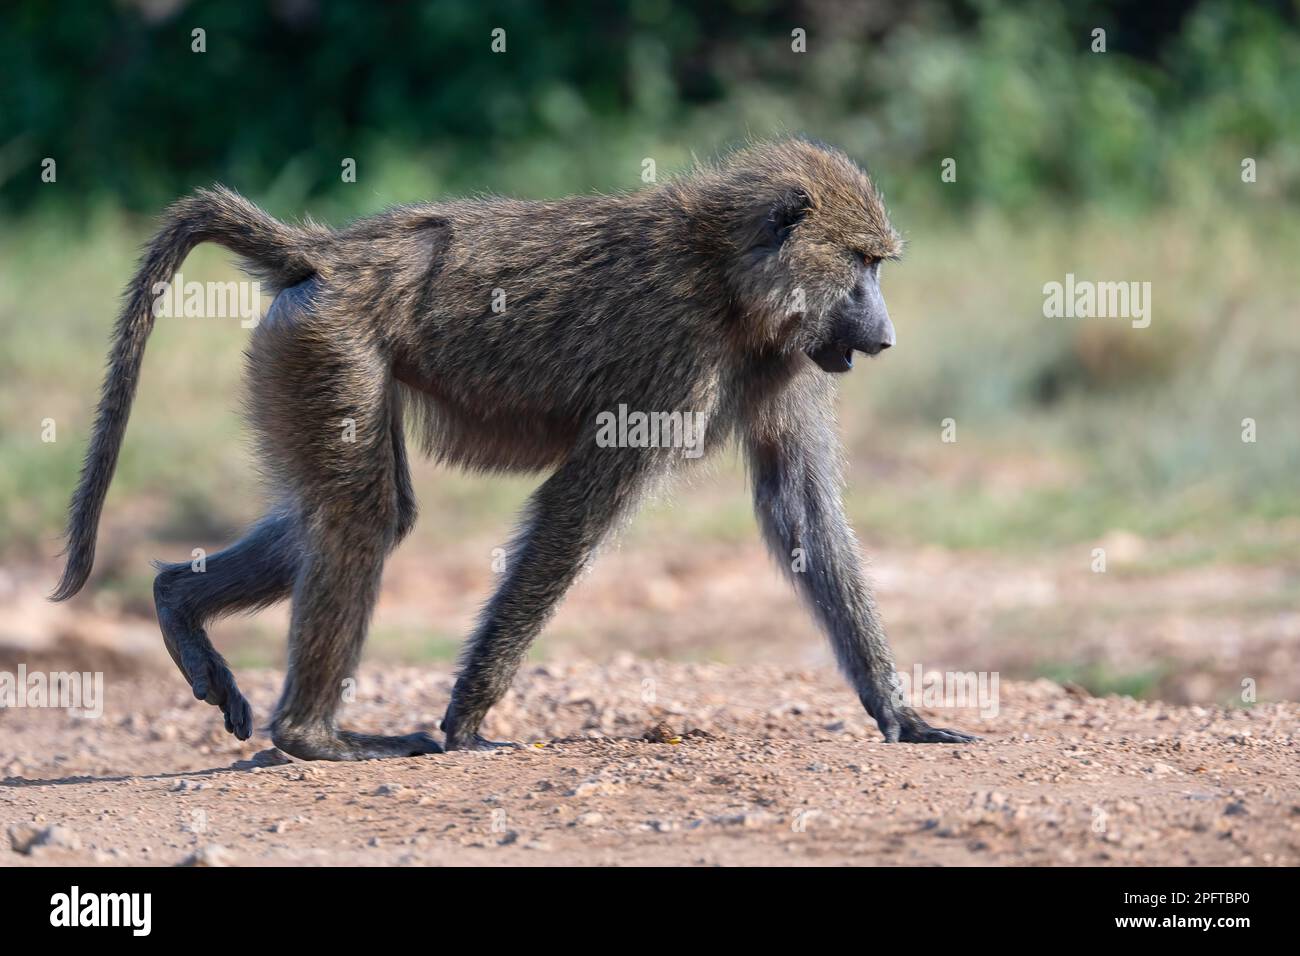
<point x="730" y="293"/>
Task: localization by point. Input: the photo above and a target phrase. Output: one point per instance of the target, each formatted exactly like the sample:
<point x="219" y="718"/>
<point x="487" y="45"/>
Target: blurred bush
<point x="414" y="92"/>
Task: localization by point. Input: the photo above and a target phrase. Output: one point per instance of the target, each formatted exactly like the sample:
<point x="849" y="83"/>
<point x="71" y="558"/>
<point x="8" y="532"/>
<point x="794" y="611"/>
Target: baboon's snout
<point x="870" y="318"/>
<point x="879" y="336"/>
<point x="862" y="325"/>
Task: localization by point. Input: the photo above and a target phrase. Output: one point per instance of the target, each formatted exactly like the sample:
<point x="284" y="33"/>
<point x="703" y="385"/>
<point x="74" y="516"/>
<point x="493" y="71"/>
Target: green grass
<point x="415" y="644"/>
<point x="1101" y="681"/>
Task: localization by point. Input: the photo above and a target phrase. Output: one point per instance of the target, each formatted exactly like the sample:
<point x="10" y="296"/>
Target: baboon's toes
<point x="376" y="747"/>
<point x="421" y="743"/>
<point x="212" y="682"/>
<point x="410" y="745"/>
<point x="326" y="743"/>
<point x="239" y="715"/>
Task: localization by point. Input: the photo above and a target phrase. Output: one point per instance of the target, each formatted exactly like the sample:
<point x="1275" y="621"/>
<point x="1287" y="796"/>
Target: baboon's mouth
<point x="833" y="358"/>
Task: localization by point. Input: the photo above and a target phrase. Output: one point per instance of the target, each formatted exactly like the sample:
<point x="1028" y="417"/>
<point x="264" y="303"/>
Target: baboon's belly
<point x="480" y="437"/>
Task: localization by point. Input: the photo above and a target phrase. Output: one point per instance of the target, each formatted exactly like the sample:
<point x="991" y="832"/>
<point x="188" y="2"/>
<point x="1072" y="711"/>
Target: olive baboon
<point x="730" y="293"/>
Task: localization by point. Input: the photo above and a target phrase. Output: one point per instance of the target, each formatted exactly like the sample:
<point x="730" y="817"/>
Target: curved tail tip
<point x="73" y="580"/>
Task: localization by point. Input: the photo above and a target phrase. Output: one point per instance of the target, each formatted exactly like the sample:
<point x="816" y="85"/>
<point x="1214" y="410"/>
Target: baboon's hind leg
<point x="324" y="405"/>
<point x="256" y="571"/>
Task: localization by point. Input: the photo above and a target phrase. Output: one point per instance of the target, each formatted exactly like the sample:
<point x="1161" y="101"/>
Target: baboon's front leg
<point x="794" y="459"/>
<point x="565" y="520"/>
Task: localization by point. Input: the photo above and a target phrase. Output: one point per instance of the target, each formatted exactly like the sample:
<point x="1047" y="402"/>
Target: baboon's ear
<point x="786" y="213"/>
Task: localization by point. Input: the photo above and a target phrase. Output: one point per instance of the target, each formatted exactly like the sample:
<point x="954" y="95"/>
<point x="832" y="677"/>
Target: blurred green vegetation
<point x="582" y="93"/>
<point x="1124" y="165"/>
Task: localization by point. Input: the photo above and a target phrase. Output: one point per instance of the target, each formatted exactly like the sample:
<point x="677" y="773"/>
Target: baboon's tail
<point x="273" y="250"/>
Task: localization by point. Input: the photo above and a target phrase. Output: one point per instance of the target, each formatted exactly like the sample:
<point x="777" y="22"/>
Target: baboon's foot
<point x="327" y="743"/>
<point x="905" y="727"/>
<point x="206" y="670"/>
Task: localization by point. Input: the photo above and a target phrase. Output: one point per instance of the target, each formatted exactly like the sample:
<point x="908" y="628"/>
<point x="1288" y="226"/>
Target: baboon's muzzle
<point x="860" y="324"/>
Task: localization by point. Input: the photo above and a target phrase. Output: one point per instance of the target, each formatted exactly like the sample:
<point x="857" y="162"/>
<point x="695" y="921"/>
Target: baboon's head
<point x="810" y="232"/>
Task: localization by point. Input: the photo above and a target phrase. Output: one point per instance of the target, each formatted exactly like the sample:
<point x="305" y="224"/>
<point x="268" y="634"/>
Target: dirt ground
<point x="744" y="765"/>
<point x="766" y="758"/>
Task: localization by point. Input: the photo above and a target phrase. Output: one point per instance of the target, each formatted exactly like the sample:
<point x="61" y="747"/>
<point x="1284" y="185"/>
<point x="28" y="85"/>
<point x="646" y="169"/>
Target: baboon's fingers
<point x="482" y="744"/>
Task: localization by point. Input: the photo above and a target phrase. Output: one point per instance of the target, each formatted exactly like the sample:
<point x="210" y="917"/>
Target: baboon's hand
<point x="902" y="725"/>
<point x="476" y="742"/>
